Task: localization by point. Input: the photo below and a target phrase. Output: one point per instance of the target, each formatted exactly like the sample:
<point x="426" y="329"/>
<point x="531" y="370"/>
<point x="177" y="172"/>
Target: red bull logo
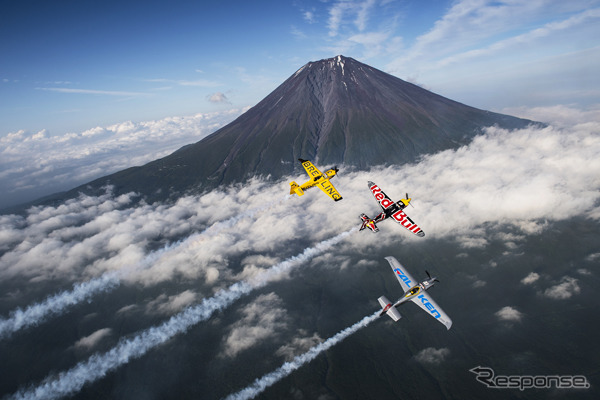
<point x="405" y="221"/>
<point x="380" y="197"/>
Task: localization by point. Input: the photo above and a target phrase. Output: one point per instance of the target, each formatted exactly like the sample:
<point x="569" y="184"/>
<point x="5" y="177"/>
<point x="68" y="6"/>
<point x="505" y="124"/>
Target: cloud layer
<point x="520" y="179"/>
<point x="98" y="365"/>
<point x="37" y="164"/>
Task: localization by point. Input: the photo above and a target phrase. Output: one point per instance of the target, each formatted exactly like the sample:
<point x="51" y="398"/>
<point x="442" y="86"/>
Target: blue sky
<point x="73" y="65"/>
<point x="68" y="67"/>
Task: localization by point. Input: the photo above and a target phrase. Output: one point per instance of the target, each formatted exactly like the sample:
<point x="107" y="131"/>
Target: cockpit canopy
<point x="413" y="291"/>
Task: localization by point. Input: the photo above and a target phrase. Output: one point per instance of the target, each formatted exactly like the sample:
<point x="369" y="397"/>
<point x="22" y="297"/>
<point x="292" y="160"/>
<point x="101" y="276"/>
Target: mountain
<point x="333" y="111"/>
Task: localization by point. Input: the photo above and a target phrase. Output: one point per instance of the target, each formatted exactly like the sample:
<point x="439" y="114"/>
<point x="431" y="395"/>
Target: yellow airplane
<point x="317" y="179"/>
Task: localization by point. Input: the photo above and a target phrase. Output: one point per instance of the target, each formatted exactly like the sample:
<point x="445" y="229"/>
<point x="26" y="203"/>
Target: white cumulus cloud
<point x="89" y="342"/>
<point x="530" y="279"/>
<point x="37" y="164"/>
<point x="564" y="290"/>
<point x="168" y="305"/>
<point x="262" y="319"/>
<point x="509" y="314"/>
<point x="432" y="355"/>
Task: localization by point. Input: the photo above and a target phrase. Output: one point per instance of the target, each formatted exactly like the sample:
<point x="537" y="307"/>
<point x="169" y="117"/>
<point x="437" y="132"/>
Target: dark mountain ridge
<point x="332" y="111"/>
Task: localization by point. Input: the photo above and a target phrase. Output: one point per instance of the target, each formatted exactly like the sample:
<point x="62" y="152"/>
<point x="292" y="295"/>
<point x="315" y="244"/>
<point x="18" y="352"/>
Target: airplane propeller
<point x="410" y="204"/>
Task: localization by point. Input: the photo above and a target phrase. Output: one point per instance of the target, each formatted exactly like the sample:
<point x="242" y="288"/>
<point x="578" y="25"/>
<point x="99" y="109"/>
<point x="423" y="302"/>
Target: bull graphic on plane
<point x="391" y="209"/>
<point x="317" y="179"/>
<point x="415" y="292"/>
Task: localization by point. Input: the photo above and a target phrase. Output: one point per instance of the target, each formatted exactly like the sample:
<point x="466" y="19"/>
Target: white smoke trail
<point x="59" y="303"/>
<point x="98" y="365"/>
<point x="286" y="369"/>
<point x="56" y="305"/>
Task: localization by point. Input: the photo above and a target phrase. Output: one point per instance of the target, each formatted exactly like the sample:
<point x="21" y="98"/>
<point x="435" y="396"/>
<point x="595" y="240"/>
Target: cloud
<point x="522" y="40"/>
<point x="298" y="345"/>
<point x="95" y="92"/>
<point x="455" y="198"/>
<point x="566" y="289"/>
<point x="373" y="42"/>
<point x="262" y="319"/>
<point x="297" y="33"/>
<point x="362" y="14"/>
<point x="260" y="384"/>
<point x="540" y="51"/>
<point x="432" y="355"/>
<point x="89" y="342"/>
<point x="340" y="10"/>
<point x="553" y="176"/>
<point x="181" y="82"/>
<point x="509" y="314"/>
<point x="36" y="164"/>
<point x="336" y="13"/>
<point x="98" y="365"/>
<point x="563" y="116"/>
<point x="479" y="284"/>
<point x="368" y="26"/>
<point x="531" y="278"/>
<point x="469" y="23"/>
<point x="199" y="82"/>
<point x="309" y="16"/>
<point x="167" y="305"/>
<point x="218" y="97"/>
<point x="593" y="257"/>
<point x="584" y="271"/>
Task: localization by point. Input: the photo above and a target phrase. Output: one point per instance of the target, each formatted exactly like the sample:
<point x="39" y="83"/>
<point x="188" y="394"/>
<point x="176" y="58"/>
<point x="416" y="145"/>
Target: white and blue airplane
<point x="415" y="292"/>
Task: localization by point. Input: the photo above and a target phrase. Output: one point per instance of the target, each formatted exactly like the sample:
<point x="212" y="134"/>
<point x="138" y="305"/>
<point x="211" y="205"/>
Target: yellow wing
<point x="317" y="178"/>
<point x="328" y="188"/>
<point x="310" y="169"/>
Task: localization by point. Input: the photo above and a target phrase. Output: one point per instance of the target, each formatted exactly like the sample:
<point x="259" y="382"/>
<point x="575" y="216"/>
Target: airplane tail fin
<point x="364" y="219"/>
<point x="388" y="308"/>
<point x="295" y="188"/>
<point x="367" y="223"/>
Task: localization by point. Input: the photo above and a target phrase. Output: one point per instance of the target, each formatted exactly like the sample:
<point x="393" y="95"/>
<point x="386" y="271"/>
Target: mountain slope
<point x="333" y="111"/>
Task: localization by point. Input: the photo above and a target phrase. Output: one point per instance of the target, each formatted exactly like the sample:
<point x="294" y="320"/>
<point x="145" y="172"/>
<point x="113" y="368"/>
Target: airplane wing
<point x="425" y="301"/>
<point x="404" y="220"/>
<point x="397" y="214"/>
<point x="406" y="281"/>
<point x="329" y="190"/>
<point x="310" y="169"/>
<point x="386" y="204"/>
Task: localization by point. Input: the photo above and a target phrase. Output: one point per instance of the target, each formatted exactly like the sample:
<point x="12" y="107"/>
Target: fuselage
<point x="415" y="291"/>
<point x="322" y="180"/>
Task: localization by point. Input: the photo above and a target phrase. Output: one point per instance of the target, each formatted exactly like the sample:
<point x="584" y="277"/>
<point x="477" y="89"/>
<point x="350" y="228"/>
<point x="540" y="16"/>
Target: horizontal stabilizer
<point x="383" y="302"/>
<point x="394" y="313"/>
<point x="295" y="188"/>
<point x="367" y="223"/>
<point x="388" y="308"/>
